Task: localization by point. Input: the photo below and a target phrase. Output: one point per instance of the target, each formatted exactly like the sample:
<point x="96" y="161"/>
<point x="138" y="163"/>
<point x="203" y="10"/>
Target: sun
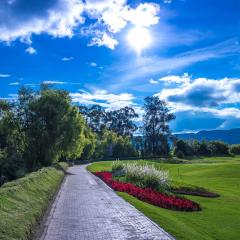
<point x="139" y="38"/>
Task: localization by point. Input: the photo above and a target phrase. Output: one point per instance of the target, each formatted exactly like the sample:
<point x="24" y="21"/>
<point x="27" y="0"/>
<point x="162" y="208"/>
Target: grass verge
<point x="24" y="201"/>
<point x="219" y="218"/>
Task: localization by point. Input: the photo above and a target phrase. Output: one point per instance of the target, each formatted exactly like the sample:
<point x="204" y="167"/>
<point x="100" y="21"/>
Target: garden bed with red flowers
<point x="149" y="195"/>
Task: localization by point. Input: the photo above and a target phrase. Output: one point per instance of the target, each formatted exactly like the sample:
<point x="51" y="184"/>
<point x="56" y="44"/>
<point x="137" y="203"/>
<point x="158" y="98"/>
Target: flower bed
<point x="149" y="195"/>
<point x="195" y="192"/>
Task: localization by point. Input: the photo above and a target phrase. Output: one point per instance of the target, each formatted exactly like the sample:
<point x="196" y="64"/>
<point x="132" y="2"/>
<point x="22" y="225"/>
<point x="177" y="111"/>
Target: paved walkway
<point x="87" y="209"/>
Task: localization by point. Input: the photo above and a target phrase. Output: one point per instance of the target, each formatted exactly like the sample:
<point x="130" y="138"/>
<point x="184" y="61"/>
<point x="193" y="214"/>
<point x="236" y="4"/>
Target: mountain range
<point x="231" y="136"/>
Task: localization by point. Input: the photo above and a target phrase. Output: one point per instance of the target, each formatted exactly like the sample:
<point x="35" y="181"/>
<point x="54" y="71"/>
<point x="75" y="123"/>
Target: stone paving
<point x="87" y="209"/>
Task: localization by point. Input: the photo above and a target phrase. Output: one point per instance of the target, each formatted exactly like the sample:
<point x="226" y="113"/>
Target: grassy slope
<point x="23" y="202"/>
<point x="220" y="218"/>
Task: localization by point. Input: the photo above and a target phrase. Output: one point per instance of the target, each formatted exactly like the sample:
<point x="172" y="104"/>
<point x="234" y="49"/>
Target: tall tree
<point x="12" y="142"/>
<point x="155" y="126"/>
<point x="122" y="121"/>
<point x="55" y="129"/>
<point x="94" y="116"/>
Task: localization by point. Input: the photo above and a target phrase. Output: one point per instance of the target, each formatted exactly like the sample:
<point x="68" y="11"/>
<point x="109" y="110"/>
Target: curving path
<point x="87" y="209"/>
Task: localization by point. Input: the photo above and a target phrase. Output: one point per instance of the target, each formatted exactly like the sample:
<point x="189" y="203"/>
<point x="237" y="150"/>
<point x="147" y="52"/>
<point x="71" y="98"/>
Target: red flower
<point x="149" y="195"/>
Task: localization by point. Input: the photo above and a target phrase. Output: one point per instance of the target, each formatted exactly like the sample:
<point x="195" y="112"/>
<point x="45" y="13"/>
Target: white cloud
<point x="13" y="96"/>
<point x="64" y="18"/>
<point x="203" y="92"/>
<point x="31" y="50"/>
<point x="215" y="98"/>
<point x="112" y="16"/>
<point x="203" y="103"/>
<point x="184" y="79"/>
<point x="14" y="83"/>
<point x="67" y="58"/>
<point x="5" y="75"/>
<point x="93" y="64"/>
<point x="105" y="40"/>
<point x="144" y="15"/>
<point x="104" y="99"/>
<point x="152" y="81"/>
<point x="57" y="18"/>
<point x="53" y="82"/>
<point x="145" y="67"/>
<point x="167" y="1"/>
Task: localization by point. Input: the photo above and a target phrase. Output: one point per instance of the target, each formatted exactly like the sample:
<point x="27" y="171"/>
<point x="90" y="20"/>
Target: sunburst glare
<point x="139" y="38"/>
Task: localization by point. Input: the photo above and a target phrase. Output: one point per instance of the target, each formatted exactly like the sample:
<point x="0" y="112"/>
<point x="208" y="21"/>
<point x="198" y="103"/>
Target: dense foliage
<point x="43" y="127"/>
<point x="119" y="121"/>
<point x="37" y="130"/>
<point x="184" y="148"/>
<point x="235" y="149"/>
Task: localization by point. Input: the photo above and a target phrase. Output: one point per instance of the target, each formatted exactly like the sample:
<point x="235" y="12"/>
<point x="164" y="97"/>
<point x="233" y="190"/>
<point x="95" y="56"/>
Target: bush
<point x="146" y="175"/>
<point x="204" y="149"/>
<point x="235" y="149"/>
<point x="186" y="147"/>
<point x="117" y="168"/>
<point x="117" y="165"/>
<point x="180" y="154"/>
<point x="219" y="148"/>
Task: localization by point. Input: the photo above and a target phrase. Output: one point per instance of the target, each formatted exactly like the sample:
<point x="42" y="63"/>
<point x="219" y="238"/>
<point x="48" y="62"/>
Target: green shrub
<point x="180" y="154"/>
<point x="219" y="148"/>
<point x="235" y="149"/>
<point x="117" y="168"/>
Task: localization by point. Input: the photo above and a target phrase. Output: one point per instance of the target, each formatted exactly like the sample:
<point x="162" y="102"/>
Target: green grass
<point x="23" y="202"/>
<point x="219" y="218"/>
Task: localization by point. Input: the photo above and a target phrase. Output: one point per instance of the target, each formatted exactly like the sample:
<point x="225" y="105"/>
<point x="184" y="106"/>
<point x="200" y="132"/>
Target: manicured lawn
<point x="220" y="217"/>
<point x="23" y="202"/>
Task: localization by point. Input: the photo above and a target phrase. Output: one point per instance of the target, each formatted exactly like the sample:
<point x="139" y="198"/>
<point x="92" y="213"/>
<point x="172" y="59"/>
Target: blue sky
<point x="115" y="53"/>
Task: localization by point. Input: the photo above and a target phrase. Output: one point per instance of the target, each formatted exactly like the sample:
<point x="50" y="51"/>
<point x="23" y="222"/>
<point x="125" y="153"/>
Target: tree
<point x="90" y="143"/>
<point x="235" y="149"/>
<point x="155" y="126"/>
<point x="138" y="144"/>
<point x="112" y="145"/>
<point x="55" y="129"/>
<point x="181" y="148"/>
<point x="204" y="149"/>
<point x="12" y="143"/>
<point x="94" y="116"/>
<point x="122" y="121"/>
<point x="219" y="148"/>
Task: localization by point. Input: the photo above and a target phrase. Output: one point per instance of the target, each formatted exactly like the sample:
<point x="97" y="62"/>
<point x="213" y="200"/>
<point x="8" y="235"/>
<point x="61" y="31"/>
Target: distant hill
<point x="229" y="136"/>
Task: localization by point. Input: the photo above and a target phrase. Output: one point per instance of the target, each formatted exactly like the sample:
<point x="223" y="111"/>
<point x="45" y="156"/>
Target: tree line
<point x="42" y="127"/>
<point x="189" y="148"/>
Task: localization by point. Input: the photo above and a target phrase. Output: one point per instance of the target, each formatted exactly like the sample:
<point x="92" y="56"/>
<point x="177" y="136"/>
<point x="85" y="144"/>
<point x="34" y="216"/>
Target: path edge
<point x="42" y="228"/>
<point x="155" y="224"/>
